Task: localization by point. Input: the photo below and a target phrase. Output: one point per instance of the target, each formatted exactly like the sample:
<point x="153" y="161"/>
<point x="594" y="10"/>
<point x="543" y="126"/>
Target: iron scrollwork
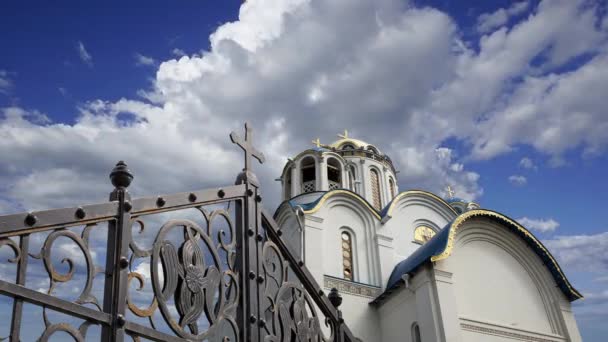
<point x="82" y="241"/>
<point x="194" y="280"/>
<point x="289" y="307"/>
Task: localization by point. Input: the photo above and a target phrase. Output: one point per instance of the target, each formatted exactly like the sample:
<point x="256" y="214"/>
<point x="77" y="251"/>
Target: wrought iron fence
<point x="208" y="265"/>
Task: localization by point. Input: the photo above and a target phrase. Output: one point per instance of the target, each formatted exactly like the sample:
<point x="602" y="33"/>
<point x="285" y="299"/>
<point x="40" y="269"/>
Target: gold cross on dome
<point x="247" y="147"/>
<point x="450" y="191"/>
<point x="317" y="142"/>
<point x="343" y="136"/>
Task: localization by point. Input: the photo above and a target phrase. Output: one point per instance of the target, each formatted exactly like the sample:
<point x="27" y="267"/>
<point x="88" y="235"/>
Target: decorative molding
<point x="507" y="334"/>
<point x="314" y="218"/>
<point x="350" y="287"/>
<point x="496" y="329"/>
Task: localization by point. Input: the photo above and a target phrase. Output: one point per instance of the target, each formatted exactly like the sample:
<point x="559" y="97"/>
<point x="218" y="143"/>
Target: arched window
<point x="391" y="186"/>
<point x="347" y="147"/>
<point x="375" y="180"/>
<point x="347" y="255"/>
<point x="287" y="184"/>
<point x="334" y="174"/>
<point x="351" y="178"/>
<point x="416" y="333"/>
<point x="309" y="175"/>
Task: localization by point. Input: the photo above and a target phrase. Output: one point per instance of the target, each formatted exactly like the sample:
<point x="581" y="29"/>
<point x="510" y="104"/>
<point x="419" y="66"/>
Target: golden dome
<point x="346" y="140"/>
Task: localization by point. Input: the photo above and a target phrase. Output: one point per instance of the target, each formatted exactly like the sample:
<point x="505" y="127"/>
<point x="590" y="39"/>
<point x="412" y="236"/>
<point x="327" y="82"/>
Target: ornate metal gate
<point x="207" y="265"/>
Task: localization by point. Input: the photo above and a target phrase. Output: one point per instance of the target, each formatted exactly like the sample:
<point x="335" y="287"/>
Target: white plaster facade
<point x="493" y="285"/>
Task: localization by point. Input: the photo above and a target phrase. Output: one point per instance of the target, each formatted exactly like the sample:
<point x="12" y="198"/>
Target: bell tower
<point x="347" y="163"/>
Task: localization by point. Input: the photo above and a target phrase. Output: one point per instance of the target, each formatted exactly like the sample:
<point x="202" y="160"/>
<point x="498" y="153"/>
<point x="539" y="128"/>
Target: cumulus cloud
<point x="527" y="163"/>
<point x="143" y="60"/>
<point x="489" y="21"/>
<point x="541" y="225"/>
<point x="6" y="84"/>
<point x="581" y="252"/>
<point x="178" y="52"/>
<point x="84" y="55"/>
<point x="395" y="75"/>
<point x="518" y="180"/>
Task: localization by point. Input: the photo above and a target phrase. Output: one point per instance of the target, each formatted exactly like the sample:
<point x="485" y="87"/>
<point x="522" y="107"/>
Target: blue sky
<point x="503" y="100"/>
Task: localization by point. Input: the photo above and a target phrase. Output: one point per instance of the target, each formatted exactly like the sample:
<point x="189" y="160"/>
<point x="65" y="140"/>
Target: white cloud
<point x="144" y="60"/>
<point x="178" y="52"/>
<point x="518" y="180"/>
<point x="84" y="55"/>
<point x="6" y="84"/>
<point x="602" y="279"/>
<point x="541" y="225"/>
<point x="527" y="163"/>
<point x="581" y="252"/>
<point x="489" y="21"/>
<point x="398" y="76"/>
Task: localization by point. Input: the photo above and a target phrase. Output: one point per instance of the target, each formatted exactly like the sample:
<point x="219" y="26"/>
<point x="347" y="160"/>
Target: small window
<point x="309" y="175"/>
<point x="348" y="147"/>
<point x="391" y="185"/>
<point x="416" y="333"/>
<point x="375" y="180"/>
<point x="347" y="255"/>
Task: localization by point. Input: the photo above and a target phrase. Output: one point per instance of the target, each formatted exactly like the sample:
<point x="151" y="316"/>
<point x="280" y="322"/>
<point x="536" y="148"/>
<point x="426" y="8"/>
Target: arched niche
<point x="334" y="174"/>
<point x="287" y="184"/>
<point x="348" y="248"/>
<point x="352" y="177"/>
<point x="375" y="188"/>
<point x="308" y="173"/>
<point x="391" y="188"/>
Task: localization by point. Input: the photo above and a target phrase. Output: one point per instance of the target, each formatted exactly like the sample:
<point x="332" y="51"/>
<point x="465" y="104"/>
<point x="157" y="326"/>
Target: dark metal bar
<point x="37" y="298"/>
<point x="149" y="333"/>
<point x="149" y="205"/>
<point x="55" y="218"/>
<point x="115" y="287"/>
<point x="24" y="242"/>
<point x="15" y="224"/>
<point x="250" y="268"/>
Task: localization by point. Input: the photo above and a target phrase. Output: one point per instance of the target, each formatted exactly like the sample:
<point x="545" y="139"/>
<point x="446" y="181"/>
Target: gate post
<point x="248" y="260"/>
<point x="252" y="239"/>
<point x="119" y="234"/>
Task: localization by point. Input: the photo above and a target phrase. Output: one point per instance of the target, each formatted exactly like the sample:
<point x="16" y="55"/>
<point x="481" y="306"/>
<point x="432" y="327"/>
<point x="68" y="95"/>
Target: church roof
<point x="455" y="200"/>
<point x="355" y="142"/>
<point x="312" y="201"/>
<point x="441" y="245"/>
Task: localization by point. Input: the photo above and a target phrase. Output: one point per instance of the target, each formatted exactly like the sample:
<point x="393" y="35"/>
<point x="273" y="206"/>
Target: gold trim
<point x="460" y="220"/>
<point x="418" y="192"/>
<point x="329" y="194"/>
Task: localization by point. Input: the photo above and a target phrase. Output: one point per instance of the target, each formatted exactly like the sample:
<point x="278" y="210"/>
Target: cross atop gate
<point x="247" y="146"/>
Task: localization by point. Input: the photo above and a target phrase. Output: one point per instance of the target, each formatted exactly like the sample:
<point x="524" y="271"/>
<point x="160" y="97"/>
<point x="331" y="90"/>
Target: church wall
<point x="497" y="289"/>
<point x="408" y="214"/>
<point x="417" y="303"/>
<point x="361" y="318"/>
<point x="502" y="287"/>
<point x="342" y="214"/>
<point x="397" y="317"/>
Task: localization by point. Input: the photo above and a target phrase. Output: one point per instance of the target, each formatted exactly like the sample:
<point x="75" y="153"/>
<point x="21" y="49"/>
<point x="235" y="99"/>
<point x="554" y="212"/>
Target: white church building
<point x="412" y="266"/>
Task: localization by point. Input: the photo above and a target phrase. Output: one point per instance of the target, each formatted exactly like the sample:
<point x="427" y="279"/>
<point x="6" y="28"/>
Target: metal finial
<point x="334" y="297"/>
<point x="317" y="142"/>
<point x="121" y="176"/>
